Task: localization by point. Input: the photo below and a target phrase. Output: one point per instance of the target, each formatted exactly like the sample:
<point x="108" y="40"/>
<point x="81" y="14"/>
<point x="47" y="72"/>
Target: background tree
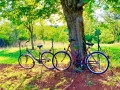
<point x="26" y="11"/>
<point x="105" y="15"/>
<point x="12" y="33"/>
<point x="73" y="11"/>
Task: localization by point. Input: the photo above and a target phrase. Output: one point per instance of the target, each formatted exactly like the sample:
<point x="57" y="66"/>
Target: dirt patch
<point x="80" y="81"/>
<point x="2" y="66"/>
<point x="88" y="81"/>
<point x="77" y="81"/>
<point x="43" y="78"/>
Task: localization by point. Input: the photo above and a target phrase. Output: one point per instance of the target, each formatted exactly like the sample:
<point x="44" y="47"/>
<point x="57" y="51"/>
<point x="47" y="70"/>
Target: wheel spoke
<point x="26" y="61"/>
<point x="61" y="62"/>
<point x="47" y="60"/>
<point x="97" y="62"/>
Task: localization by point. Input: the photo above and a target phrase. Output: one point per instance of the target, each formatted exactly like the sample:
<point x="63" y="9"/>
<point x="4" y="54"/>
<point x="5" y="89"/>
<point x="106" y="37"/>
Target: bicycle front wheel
<point x="46" y="58"/>
<point x="62" y="61"/>
<point x="97" y="62"/>
<point x="26" y="61"/>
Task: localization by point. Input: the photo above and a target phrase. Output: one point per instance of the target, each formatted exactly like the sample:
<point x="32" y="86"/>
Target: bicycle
<point x="96" y="62"/>
<point x="27" y="60"/>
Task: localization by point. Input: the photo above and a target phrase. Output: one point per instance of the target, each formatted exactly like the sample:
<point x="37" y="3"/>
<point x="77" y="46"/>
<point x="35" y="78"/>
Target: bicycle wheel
<point x="61" y="61"/>
<point x="26" y="61"/>
<point x="46" y="59"/>
<point x="97" y="62"/>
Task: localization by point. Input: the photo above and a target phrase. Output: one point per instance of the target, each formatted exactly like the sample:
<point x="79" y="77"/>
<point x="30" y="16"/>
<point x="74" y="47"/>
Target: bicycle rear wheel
<point x="61" y="61"/>
<point x="46" y="59"/>
<point x="26" y="61"/>
<point x="97" y="62"/>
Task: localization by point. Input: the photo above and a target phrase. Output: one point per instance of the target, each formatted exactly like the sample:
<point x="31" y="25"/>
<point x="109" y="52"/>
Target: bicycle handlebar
<point x="26" y="41"/>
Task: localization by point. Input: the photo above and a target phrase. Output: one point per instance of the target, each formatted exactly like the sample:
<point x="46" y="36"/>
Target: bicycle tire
<point x="46" y="58"/>
<point x="102" y="63"/>
<point x="61" y="65"/>
<point x="26" y="61"/>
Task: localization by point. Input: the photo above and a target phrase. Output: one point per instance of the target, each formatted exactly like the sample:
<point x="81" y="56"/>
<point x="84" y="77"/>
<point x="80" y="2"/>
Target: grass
<point x="13" y="79"/>
<point x="113" y="50"/>
<point x="11" y="55"/>
<point x="21" y="78"/>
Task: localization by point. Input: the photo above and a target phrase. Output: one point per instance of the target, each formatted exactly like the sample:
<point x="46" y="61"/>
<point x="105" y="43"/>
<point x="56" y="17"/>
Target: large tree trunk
<point x="73" y="10"/>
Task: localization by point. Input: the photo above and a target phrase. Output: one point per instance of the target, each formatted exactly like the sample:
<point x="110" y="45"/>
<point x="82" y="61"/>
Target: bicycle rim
<point x="47" y="60"/>
<point x="26" y="61"/>
<point x="97" y="63"/>
<point x="62" y="61"/>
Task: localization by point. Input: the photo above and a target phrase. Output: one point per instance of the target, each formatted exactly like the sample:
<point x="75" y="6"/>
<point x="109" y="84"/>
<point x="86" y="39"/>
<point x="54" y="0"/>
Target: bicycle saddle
<point x="70" y="40"/>
<point x="90" y="44"/>
<point x="39" y="46"/>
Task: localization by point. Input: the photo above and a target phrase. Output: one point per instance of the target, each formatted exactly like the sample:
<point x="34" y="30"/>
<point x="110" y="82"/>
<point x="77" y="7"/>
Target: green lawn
<point x="10" y="55"/>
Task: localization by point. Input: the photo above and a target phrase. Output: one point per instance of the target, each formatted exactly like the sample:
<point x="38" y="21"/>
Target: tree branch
<point x="30" y="28"/>
<point x="27" y="27"/>
<point x="81" y="3"/>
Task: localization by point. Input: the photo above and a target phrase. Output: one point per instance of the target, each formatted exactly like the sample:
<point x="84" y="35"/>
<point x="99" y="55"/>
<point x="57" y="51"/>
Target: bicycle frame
<point x="74" y="57"/>
<point x="38" y="60"/>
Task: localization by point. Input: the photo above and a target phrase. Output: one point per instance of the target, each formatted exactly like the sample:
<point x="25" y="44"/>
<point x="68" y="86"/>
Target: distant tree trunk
<point x="42" y="32"/>
<point x="32" y="39"/>
<point x="114" y="35"/>
<point x="30" y="28"/>
<point x="43" y="38"/>
<point x="16" y="35"/>
<point x="114" y="29"/>
<point x="73" y="10"/>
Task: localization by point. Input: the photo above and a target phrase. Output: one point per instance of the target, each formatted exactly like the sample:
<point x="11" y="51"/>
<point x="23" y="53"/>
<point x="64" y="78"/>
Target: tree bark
<point x="32" y="40"/>
<point x="73" y="10"/>
<point x="16" y="35"/>
<point x="114" y="34"/>
<point x="30" y="28"/>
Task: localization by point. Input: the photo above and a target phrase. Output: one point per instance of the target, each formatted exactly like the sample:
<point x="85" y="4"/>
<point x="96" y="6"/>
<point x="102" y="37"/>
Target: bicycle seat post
<point x="26" y="46"/>
<point x="39" y="50"/>
<point x="39" y="46"/>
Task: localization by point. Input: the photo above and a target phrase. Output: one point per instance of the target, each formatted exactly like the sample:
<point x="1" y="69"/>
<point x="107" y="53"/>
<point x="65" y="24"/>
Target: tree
<point x="12" y="33"/>
<point x="73" y="11"/>
<point x="111" y="14"/>
<point x="105" y="15"/>
<point x="27" y="11"/>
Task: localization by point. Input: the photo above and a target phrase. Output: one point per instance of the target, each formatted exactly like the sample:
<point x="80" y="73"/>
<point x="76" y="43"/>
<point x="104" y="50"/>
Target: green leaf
<point x="75" y="47"/>
<point x="89" y="83"/>
<point x="85" y="1"/>
<point x="97" y="32"/>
